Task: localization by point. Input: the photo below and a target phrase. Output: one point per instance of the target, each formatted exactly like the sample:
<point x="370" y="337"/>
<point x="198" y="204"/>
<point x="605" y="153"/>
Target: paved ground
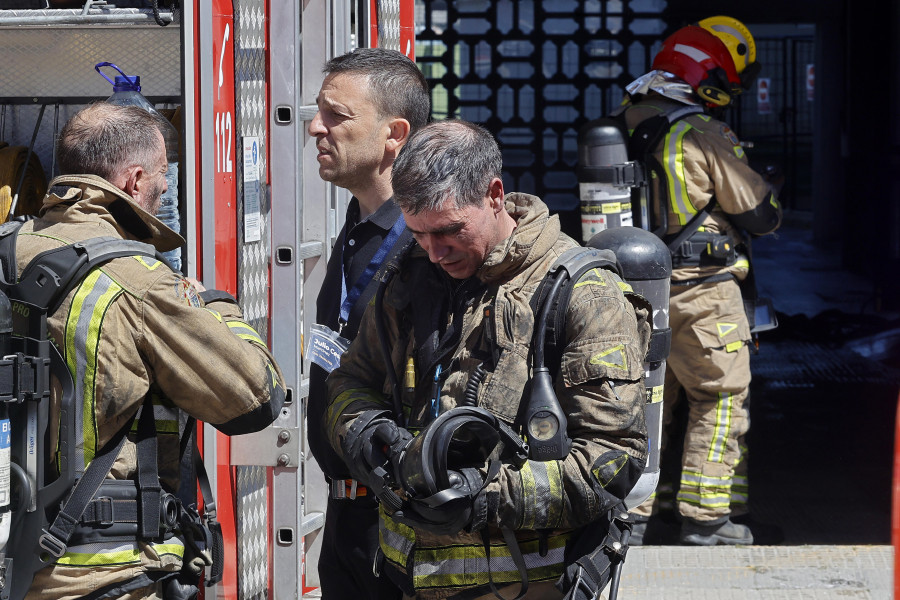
<point x="824" y="398"/>
<point x="758" y="573"/>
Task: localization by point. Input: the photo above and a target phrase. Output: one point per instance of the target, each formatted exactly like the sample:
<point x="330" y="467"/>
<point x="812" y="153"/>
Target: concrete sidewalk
<point x="758" y="573"/>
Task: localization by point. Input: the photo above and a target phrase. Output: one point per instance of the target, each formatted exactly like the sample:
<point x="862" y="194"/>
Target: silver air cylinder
<point x="647" y="266"/>
<point x="605" y="197"/>
<point x="5" y="453"/>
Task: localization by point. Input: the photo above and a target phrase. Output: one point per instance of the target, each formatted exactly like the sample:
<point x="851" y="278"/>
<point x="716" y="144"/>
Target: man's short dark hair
<point x="103" y="139"/>
<point x="396" y="85"/>
<point x="445" y="159"/>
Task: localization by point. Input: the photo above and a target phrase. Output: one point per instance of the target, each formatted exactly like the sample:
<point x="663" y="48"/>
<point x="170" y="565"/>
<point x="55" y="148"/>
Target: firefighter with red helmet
<point x="711" y="203"/>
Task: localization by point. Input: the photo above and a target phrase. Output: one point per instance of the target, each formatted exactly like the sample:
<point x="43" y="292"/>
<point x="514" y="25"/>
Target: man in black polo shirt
<point x="370" y="102"/>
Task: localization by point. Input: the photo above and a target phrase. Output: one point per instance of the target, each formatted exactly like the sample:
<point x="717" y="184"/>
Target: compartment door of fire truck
<point x="258" y="221"/>
<point x="279" y="490"/>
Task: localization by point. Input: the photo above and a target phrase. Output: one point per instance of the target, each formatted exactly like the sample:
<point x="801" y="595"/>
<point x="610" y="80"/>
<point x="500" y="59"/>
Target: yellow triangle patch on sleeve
<point x="614" y="357"/>
<point x="725" y="328"/>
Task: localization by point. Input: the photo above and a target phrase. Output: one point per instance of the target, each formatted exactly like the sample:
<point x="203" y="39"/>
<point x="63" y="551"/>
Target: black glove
<point x="372" y="448"/>
<point x="461" y="507"/>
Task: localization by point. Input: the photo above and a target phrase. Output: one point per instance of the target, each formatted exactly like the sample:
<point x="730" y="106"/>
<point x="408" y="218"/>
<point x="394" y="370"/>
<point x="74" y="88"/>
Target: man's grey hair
<point x="105" y="139"/>
<point x="396" y="87"/>
<point x="445" y="159"/>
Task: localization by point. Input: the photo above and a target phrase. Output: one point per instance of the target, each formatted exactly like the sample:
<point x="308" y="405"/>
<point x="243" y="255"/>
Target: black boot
<point x="715" y="532"/>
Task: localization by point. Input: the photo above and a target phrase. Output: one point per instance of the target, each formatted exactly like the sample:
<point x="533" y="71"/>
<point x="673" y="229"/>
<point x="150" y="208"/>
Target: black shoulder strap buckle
<point x="23" y="377"/>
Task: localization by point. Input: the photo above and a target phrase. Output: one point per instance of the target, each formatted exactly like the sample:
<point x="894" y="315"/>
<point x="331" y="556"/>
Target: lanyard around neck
<point x="348" y="299"/>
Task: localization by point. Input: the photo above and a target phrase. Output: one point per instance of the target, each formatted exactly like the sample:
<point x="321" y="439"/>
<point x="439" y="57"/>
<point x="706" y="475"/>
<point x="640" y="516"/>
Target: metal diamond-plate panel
<point x="253" y="270"/>
<point x="252" y="525"/>
<point x="389" y="24"/>
<point x="533" y="73"/>
<point x="250" y="72"/>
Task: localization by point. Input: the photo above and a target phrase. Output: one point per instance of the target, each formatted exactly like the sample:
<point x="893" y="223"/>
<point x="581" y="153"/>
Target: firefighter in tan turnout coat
<point x="135" y="328"/>
<point x="460" y="303"/>
<point x="714" y="203"/>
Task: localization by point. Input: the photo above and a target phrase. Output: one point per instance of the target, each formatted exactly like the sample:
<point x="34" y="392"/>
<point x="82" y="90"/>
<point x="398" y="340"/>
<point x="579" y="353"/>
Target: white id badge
<point x="325" y="347"/>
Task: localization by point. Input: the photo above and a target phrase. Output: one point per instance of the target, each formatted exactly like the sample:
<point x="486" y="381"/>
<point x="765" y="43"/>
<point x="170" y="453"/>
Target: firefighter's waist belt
<point x="705" y="249"/>
<point x="115" y="512"/>
<point x="346" y="489"/>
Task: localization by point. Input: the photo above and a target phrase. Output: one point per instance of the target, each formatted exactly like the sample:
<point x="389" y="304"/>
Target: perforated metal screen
<point x="533" y="72"/>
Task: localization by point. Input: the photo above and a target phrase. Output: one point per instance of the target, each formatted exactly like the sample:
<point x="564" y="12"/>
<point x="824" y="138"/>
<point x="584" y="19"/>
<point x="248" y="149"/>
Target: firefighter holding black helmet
<point x="710" y="202"/>
<point x="444" y="353"/>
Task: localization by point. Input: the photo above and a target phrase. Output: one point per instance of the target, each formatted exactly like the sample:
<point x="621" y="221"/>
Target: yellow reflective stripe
<point x="455" y="566"/>
<point x="273" y="373"/>
<point x="214" y="313"/>
<point x="742" y="263"/>
<point x="705" y="490"/>
<point x="542" y="494"/>
<point x="82" y="343"/>
<point x="695" y="478"/>
<point x="704" y="499"/>
<point x="625" y="286"/>
<point x="244" y="331"/>
<point x="604" y="473"/>
<point x="162" y="427"/>
<point x="130" y="555"/>
<point x="724" y="412"/>
<point x="164" y="415"/>
<point x="44" y="235"/>
<point x="151" y="266"/>
<point x="734" y="346"/>
<point x="614" y="357"/>
<point x="673" y="160"/>
<point x="597" y="279"/>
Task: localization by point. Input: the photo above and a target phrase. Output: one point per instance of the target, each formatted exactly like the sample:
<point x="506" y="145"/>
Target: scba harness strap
<point x="58" y="508"/>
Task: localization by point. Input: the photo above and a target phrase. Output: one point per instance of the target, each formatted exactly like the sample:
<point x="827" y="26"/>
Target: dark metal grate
<point x="805" y="364"/>
<point x="534" y="86"/>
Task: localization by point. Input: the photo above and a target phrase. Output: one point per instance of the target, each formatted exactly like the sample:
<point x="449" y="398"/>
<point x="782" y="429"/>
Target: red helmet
<point x="704" y="61"/>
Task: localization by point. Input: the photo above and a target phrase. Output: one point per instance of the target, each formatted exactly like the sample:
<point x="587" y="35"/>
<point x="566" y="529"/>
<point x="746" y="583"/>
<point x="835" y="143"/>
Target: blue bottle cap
<point x="132" y="83"/>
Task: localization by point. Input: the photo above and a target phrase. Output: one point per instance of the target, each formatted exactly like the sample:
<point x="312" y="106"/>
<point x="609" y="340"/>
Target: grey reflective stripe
<point x="160" y="413"/>
<point x="479" y="564"/>
<point x="695" y="54"/>
<point x="542" y="491"/>
<point x="244" y="331"/>
<point x="467" y="565"/>
<point x="82" y="339"/>
<point x="396" y="546"/>
<point x="724" y="412"/>
<point x="739" y="490"/>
